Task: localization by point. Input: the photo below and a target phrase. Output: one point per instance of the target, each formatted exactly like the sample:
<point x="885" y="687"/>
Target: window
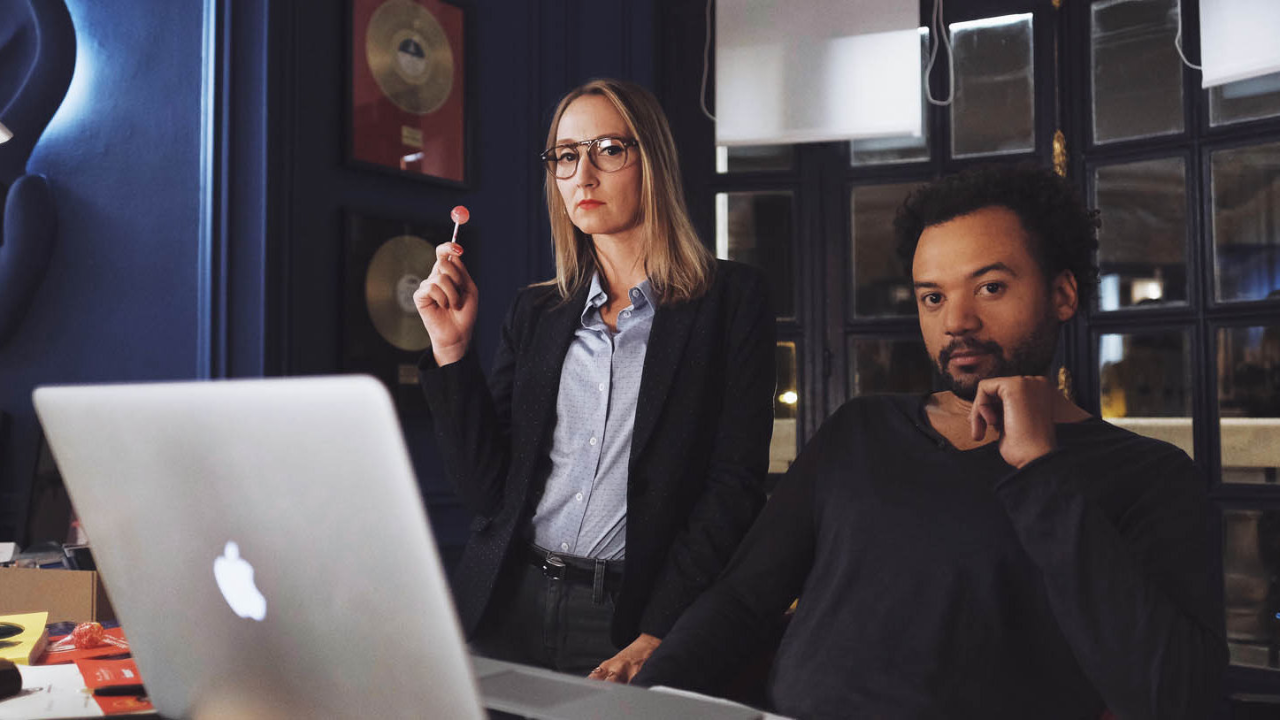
<point x="1182" y="342"/>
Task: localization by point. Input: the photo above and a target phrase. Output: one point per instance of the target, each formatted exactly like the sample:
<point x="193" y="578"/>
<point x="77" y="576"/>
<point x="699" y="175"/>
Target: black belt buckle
<point x="553" y="567"/>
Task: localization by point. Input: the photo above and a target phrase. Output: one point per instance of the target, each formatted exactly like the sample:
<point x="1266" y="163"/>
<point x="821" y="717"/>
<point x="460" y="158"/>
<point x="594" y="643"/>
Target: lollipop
<point x="87" y="636"/>
<point x="460" y="216"/>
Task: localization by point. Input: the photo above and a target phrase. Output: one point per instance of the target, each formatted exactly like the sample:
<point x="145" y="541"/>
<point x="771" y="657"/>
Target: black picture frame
<point x="362" y="348"/>
<point x="367" y="125"/>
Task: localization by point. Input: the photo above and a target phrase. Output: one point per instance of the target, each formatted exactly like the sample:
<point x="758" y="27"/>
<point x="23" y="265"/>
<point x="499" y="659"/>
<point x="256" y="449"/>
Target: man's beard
<point x="1032" y="356"/>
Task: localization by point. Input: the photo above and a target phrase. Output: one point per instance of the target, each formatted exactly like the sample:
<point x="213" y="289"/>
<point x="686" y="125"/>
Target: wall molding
<point x="210" y="343"/>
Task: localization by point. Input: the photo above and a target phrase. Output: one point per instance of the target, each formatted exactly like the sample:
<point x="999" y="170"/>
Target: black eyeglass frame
<point x="548" y="158"/>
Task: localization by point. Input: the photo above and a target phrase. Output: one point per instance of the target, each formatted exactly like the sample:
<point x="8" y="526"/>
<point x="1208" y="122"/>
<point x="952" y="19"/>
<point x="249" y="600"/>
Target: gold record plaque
<point x="410" y="56"/>
<point x="394" y="273"/>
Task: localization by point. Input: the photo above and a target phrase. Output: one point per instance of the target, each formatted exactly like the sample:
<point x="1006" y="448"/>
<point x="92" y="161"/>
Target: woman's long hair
<point x="678" y="265"/>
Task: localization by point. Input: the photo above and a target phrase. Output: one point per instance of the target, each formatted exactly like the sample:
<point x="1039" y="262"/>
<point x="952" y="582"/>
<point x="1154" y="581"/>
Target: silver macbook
<point x="266" y="549"/>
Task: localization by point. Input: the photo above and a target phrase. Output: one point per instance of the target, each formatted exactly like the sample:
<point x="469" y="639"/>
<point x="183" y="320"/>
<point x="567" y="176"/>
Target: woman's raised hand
<point x="446" y="302"/>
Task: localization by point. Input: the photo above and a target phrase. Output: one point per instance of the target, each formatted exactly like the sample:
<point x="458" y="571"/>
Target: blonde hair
<point x="678" y="265"/>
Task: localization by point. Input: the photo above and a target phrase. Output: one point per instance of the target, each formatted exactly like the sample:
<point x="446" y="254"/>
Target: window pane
<point x="1245" y="100"/>
<point x="1245" y="186"/>
<point x="1145" y="385"/>
<point x="994" y="108"/>
<point x="1143" y="238"/>
<point x="755" y="228"/>
<point x="754" y="158"/>
<point x="1249" y="403"/>
<point x="882" y="365"/>
<point x="878" y="151"/>
<point x="881" y="285"/>
<point x="1137" y="75"/>
<point x="1251" y="564"/>
<point x="782" y="448"/>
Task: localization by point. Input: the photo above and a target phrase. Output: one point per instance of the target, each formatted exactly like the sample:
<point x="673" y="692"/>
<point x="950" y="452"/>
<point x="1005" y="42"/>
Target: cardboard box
<point x="68" y="595"/>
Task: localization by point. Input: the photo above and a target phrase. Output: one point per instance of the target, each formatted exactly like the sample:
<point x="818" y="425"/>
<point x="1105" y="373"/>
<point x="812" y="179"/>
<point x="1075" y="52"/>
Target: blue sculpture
<point x="37" y="59"/>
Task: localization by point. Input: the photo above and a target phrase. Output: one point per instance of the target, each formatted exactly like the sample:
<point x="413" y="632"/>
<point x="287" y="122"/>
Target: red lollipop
<point x="460" y="216"/>
<point x="88" y="635"/>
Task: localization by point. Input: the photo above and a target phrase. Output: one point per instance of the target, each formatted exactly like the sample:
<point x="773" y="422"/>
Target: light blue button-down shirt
<point x="583" y="510"/>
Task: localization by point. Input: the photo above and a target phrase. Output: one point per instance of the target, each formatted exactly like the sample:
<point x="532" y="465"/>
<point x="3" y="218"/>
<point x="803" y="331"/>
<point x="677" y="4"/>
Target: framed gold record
<point x="409" y="100"/>
<point x="384" y="260"/>
<point x="410" y="56"/>
<point x="396" y="269"/>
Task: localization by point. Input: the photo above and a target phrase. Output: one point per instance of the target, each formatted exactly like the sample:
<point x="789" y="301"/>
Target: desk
<point x="510" y="690"/>
<point x="57" y="691"/>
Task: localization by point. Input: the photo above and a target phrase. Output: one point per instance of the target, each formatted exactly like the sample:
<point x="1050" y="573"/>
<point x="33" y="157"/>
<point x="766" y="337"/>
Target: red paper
<point x="115" y="673"/>
<point x="109" y="673"/>
<point x="120" y="705"/>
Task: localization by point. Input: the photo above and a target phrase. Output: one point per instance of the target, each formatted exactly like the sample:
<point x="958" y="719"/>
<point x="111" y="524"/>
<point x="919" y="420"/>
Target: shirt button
<point x="601" y="387"/>
<point x="564" y="546"/>
<point x="626" y="313"/>
<point x="593" y="441"/>
<point x="635" y="293"/>
<point x="578" y="497"/>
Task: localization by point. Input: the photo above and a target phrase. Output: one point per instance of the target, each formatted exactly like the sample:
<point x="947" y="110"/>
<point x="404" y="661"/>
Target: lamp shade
<point x="1238" y="40"/>
<point x="5" y="135"/>
<point x="815" y="71"/>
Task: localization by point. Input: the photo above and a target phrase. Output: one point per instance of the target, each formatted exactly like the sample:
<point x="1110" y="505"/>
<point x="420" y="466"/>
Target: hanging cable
<point x="940" y="37"/>
<point x="1177" y="43"/>
<point x="706" y="66"/>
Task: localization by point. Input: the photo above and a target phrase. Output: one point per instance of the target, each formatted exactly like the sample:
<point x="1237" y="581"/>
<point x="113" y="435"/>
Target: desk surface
<point x="58" y="691"/>
<point x="522" y="691"/>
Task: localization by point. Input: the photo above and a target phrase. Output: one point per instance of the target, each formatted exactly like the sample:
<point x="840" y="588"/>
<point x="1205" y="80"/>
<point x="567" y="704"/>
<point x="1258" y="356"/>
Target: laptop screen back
<point x="265" y="546"/>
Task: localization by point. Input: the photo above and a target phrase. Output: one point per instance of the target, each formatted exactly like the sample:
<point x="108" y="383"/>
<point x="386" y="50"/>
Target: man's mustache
<point x="968" y="345"/>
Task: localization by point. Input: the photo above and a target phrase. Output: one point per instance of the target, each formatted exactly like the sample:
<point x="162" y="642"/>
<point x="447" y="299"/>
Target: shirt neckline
<point x="596" y="297"/>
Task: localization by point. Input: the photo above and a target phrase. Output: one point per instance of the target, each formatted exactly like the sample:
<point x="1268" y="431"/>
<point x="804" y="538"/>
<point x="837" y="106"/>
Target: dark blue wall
<point x="122" y="299"/>
<point x="119" y="301"/>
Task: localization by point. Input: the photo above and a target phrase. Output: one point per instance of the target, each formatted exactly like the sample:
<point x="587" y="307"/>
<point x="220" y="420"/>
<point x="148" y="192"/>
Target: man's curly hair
<point x="1063" y="231"/>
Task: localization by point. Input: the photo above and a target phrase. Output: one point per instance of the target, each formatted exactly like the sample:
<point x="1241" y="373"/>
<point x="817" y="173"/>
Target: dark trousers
<point x="537" y="620"/>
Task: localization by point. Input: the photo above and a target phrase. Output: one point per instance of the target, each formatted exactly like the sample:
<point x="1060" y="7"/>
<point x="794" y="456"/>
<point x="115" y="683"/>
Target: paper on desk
<point x="50" y="691"/>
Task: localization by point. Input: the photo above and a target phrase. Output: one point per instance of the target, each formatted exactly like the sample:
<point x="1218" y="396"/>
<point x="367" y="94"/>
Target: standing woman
<point x="618" y="452"/>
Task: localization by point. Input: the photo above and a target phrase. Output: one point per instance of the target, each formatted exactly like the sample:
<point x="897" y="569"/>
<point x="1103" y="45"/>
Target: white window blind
<point x="1239" y="39"/>
<point x="794" y="71"/>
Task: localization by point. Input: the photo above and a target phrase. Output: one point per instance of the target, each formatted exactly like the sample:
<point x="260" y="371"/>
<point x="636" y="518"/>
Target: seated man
<point x="989" y="551"/>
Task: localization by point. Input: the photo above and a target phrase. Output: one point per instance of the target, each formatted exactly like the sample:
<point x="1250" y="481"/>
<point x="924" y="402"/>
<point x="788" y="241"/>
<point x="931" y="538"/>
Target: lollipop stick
<point x="455" y="232"/>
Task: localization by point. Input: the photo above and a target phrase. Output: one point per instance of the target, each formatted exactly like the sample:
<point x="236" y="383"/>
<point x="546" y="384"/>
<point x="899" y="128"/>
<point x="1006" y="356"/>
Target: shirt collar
<point x="597" y="297"/>
<point x="646" y="295"/>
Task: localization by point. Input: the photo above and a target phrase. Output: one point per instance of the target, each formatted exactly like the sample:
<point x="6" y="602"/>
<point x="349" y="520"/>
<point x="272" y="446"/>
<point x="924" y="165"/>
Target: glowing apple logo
<point x="235" y="580"/>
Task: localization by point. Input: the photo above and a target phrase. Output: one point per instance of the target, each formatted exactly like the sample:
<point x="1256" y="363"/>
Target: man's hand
<point x="1021" y="410"/>
<point x="622" y="667"/>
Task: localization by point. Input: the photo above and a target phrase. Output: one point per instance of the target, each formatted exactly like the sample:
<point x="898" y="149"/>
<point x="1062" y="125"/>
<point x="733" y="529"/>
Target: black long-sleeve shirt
<point x="939" y="583"/>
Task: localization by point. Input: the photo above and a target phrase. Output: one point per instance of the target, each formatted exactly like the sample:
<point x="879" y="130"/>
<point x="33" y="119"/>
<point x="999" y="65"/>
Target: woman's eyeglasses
<point x="607" y="154"/>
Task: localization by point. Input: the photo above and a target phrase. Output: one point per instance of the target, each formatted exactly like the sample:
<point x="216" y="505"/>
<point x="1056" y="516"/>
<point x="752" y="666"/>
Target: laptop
<point x="266" y="549"/>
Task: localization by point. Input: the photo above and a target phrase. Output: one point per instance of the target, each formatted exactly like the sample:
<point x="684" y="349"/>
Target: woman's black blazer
<point x="699" y="453"/>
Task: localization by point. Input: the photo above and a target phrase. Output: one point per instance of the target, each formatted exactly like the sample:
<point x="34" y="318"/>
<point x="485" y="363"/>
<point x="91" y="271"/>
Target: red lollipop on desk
<point x="460" y="216"/>
<point x="88" y="635"/>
